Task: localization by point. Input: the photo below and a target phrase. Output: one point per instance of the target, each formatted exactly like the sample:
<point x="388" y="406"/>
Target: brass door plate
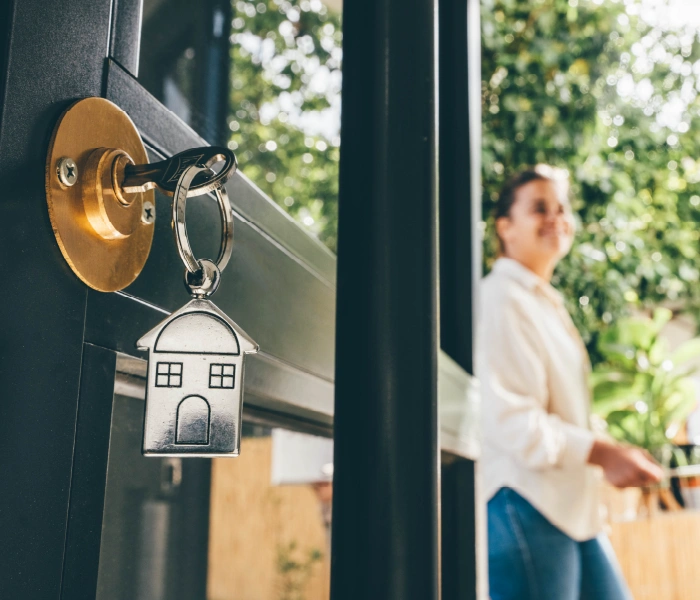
<point x="104" y="234"/>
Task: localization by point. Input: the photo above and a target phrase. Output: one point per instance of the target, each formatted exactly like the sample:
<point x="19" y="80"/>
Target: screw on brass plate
<point x="67" y="171"/>
<point x="148" y="213"/>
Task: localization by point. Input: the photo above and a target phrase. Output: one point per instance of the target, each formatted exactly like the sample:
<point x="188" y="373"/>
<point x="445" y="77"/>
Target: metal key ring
<point x="193" y="265"/>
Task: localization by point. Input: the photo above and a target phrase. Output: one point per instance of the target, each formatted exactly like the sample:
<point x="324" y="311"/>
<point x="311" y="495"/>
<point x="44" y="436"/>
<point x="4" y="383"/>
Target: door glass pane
<point x="184" y="61"/>
<point x="256" y="526"/>
<point x="264" y="78"/>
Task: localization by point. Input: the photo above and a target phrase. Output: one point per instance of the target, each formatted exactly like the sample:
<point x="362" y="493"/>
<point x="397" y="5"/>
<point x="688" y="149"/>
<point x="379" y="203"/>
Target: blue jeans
<point x="531" y="559"/>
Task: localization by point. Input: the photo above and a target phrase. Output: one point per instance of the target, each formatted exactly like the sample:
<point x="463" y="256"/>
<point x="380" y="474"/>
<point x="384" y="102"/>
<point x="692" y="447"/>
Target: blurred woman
<point x="540" y="464"/>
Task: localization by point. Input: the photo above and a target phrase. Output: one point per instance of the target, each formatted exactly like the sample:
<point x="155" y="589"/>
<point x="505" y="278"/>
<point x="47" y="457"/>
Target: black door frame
<point x="462" y="550"/>
<point x="411" y="81"/>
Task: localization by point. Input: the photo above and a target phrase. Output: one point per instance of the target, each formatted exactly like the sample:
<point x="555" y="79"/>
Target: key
<point x="165" y="174"/>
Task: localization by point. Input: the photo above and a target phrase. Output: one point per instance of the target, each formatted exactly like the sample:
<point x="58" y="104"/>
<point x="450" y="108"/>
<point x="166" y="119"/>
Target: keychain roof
<point x="208" y="330"/>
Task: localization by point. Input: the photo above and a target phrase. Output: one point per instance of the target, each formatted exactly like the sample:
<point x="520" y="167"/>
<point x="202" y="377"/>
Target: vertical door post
<point x="460" y="270"/>
<point x="385" y="511"/>
<point x="460" y="176"/>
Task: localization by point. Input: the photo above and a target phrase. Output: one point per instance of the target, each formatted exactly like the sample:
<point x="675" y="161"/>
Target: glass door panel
<point x="256" y="526"/>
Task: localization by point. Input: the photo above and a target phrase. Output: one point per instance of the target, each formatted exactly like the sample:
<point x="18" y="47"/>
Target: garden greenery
<point x="596" y="87"/>
<point x="644" y="391"/>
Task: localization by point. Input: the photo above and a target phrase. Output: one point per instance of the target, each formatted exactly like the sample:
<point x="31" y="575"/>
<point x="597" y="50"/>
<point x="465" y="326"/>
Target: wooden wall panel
<point x="659" y="554"/>
<point x="251" y="521"/>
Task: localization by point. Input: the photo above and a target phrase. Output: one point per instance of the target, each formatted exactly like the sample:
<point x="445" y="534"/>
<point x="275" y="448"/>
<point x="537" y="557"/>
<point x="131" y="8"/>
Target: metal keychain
<point x="194" y="394"/>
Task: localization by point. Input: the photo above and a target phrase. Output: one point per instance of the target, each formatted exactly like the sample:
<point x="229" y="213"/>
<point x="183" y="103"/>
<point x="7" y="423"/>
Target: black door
<point x="81" y="508"/>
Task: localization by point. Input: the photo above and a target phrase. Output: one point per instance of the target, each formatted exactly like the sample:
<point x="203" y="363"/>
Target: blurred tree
<point x="593" y="87"/>
<point x="285" y="101"/>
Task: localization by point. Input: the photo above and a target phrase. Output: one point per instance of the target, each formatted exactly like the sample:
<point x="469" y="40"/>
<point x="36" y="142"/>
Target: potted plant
<point x="642" y="390"/>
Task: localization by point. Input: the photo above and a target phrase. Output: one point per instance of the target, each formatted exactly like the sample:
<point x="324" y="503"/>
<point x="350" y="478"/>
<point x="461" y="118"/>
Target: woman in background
<point x="540" y="464"/>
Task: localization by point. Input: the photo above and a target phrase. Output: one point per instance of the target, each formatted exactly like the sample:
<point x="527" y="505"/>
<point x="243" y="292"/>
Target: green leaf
<point x="614" y="394"/>
<point x="658" y="351"/>
<point x="626" y="426"/>
<point x="678" y="415"/>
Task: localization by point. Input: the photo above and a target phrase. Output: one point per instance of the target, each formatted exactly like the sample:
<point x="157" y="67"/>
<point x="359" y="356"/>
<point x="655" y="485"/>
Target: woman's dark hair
<point x="506" y="198"/>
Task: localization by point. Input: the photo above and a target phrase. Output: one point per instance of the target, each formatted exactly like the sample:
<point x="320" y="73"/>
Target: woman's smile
<point x="557" y="232"/>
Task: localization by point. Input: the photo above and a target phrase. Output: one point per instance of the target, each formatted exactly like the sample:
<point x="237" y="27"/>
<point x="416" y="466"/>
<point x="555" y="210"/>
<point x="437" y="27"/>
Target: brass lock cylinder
<point x="112" y="214"/>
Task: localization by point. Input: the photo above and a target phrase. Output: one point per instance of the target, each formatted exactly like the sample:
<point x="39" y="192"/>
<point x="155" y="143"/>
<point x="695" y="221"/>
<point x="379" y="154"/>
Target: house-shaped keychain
<point x="194" y="395"/>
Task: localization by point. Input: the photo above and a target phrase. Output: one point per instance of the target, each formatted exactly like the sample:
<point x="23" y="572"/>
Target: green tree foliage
<point x="285" y="93"/>
<point x="592" y="87"/>
<point x="587" y="85"/>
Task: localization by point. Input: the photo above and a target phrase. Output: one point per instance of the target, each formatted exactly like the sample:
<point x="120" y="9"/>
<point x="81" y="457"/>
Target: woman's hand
<point x="625" y="466"/>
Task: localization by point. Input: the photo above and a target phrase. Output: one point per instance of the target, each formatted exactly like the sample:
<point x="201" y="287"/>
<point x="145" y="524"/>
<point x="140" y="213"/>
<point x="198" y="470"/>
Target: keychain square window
<point x="222" y="376"/>
<point x="169" y="374"/>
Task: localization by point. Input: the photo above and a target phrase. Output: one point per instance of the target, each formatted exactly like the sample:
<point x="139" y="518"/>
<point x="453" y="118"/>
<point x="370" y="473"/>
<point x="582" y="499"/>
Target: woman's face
<point x="540" y="227"/>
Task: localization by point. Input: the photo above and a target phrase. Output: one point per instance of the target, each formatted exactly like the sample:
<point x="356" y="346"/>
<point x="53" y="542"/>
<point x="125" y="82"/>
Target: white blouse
<point x="533" y="368"/>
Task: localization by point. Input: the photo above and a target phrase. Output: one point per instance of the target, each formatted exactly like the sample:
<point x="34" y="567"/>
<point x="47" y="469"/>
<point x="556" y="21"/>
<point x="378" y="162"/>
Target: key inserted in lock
<point x="164" y="174"/>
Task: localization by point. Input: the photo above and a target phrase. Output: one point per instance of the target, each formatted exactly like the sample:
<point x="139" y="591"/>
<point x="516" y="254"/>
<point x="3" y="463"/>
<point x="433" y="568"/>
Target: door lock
<point x="99" y="189"/>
